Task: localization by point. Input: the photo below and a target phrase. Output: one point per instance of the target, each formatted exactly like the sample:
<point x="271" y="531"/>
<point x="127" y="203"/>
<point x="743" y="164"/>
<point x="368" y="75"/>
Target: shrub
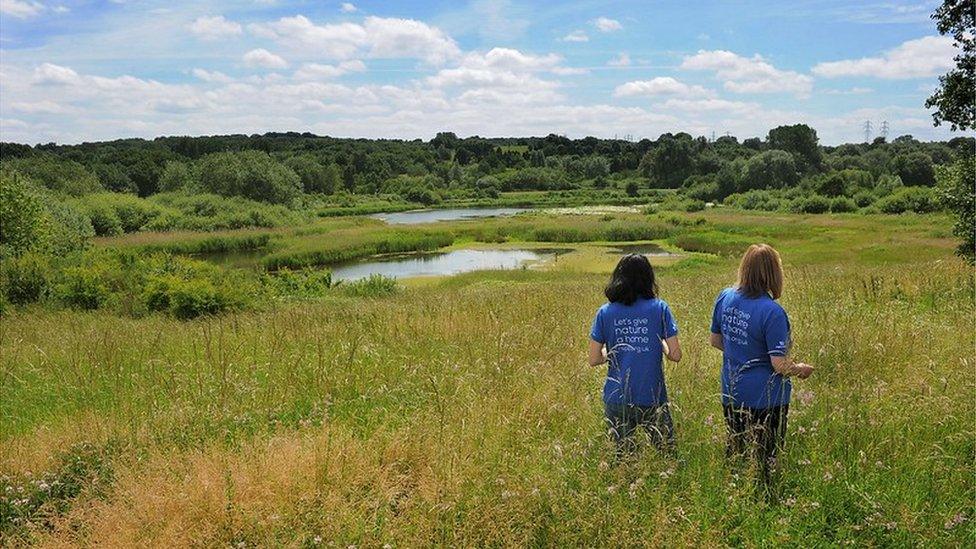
<point x="250" y="174"/>
<point x="863" y="198"/>
<point x="22" y="223"/>
<point x="24" y="278"/>
<point x="814" y="204"/>
<point x="83" y="287"/>
<point x="302" y="283"/>
<point x="910" y="199"/>
<point x="103" y="218"/>
<point x="374" y="285"/>
<point x="754" y="200"/>
<point x="192" y="298"/>
<point x="956" y="194"/>
<point x="842" y="204"/>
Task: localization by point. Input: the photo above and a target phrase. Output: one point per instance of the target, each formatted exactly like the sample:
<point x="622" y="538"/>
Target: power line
<point x="884" y="129"/>
<point x="867" y="131"/>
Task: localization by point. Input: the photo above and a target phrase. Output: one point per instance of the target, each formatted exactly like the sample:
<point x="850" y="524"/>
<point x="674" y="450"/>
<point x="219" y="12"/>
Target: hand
<point x="802" y="370"/>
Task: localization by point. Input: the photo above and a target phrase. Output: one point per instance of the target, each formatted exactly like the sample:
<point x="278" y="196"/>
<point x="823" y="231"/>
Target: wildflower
<point x="827" y="476"/>
<point x="387" y="546"/>
<point x="806" y="397"/>
<point x="535" y="491"/>
<point x="612" y="489"/>
<point x="317" y="540"/>
<point x="804" y="461"/>
<point x="603" y="466"/>
<point x="710" y="420"/>
<point x="956" y="520"/>
<point x="790" y="501"/>
<point x="891" y="525"/>
<point x="878" y="464"/>
<point x="815" y="504"/>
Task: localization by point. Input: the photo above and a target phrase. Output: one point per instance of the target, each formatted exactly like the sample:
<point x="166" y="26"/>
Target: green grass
<point x="461" y="412"/>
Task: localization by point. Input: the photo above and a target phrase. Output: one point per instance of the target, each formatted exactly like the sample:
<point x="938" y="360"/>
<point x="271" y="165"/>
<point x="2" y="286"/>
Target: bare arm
<point x="715" y="340"/>
<point x="597" y="354"/>
<point x="784" y="366"/>
<point x="672" y="349"/>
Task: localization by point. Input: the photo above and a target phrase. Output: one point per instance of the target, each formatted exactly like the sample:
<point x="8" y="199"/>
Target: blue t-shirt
<point x="753" y="329"/>
<point x="633" y="334"/>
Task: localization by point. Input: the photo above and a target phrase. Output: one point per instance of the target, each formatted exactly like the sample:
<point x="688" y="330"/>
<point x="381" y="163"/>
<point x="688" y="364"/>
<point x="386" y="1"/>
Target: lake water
<point x="445" y="263"/>
<point x="430" y="216"/>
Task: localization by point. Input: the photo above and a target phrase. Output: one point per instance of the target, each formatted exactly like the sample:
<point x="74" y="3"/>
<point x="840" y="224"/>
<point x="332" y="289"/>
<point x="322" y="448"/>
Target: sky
<point x="74" y="71"/>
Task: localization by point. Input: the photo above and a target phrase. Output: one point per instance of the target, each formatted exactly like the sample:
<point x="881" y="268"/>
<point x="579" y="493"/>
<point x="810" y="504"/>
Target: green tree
<point x="953" y="99"/>
<point x="669" y="163"/>
<point x="914" y="169"/>
<point x="312" y="174"/>
<point x="799" y="140"/>
<point x="957" y="194"/>
<point x="769" y="169"/>
<point x="177" y="176"/>
<point x="22" y="222"/>
<point x="65" y="176"/>
<point x="251" y="174"/>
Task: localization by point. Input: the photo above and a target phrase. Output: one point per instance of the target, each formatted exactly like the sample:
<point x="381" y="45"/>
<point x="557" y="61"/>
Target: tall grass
<point x="463" y="414"/>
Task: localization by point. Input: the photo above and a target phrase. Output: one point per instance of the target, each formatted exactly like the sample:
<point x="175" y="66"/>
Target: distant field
<point x="459" y="411"/>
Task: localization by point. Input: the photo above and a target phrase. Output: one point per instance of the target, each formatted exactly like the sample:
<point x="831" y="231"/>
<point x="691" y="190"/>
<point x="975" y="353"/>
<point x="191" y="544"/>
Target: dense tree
<point x="800" y="141"/>
<point x="251" y="174"/>
<point x="954" y="100"/>
<point x="956" y="189"/>
<point x="311" y="173"/>
<point x="177" y="176"/>
<point x="669" y="162"/>
<point x="769" y="169"/>
<point x="914" y="169"/>
<point x="65" y="176"/>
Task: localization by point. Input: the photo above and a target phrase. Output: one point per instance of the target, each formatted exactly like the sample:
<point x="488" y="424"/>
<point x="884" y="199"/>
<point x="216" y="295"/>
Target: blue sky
<point x="76" y="71"/>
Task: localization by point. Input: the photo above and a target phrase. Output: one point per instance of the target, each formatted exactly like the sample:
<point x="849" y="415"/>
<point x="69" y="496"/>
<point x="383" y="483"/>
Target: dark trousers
<point x="623" y="420"/>
<point x="758" y="433"/>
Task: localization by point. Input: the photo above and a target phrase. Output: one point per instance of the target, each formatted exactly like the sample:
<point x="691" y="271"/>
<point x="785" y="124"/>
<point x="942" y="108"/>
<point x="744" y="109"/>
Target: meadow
<point x="460" y="411"/>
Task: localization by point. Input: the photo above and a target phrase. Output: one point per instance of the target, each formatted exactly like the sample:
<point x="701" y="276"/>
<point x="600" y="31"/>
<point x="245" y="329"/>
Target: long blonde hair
<point x="761" y="271"/>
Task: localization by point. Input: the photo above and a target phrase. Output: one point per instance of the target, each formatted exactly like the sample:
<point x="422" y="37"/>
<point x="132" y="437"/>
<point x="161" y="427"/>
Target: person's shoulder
<point x="726" y="292"/>
<point x="604" y="308"/>
<point x="772" y="306"/>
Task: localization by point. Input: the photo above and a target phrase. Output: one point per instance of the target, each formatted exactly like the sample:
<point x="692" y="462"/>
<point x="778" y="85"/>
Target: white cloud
<point x="38" y="107"/>
<point x="214" y="28"/>
<point x="211" y="76"/>
<point x="576" y="36"/>
<point x="853" y="91"/>
<point x="919" y="58"/>
<point x="347" y="7"/>
<point x="622" y="60"/>
<point x="264" y="59"/>
<point x="55" y="75"/>
<point x="604" y="24"/>
<point x="661" y="85"/>
<point x="341" y="40"/>
<point x="748" y="74"/>
<point x="316" y="71"/>
<point x="21" y="9"/>
<point x="377" y="37"/>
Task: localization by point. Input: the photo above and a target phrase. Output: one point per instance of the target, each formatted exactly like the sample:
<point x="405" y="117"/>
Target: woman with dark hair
<point x="631" y="332"/>
<point x="753" y="333"/>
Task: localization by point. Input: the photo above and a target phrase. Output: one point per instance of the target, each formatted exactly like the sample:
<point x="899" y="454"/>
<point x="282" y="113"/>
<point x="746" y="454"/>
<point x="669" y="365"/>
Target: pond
<point x="442" y="263"/>
<point x="430" y="216"/>
<point x="651" y="250"/>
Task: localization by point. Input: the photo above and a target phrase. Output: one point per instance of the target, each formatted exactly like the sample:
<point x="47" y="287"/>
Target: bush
<point x="754" y="200"/>
<point x="103" y="218"/>
<point x="302" y="283"/>
<point x="22" y="220"/>
<point x="250" y="174"/>
<point x="957" y="195"/>
<point x="910" y="199"/>
<point x="83" y="287"/>
<point x="24" y="278"/>
<point x="814" y="204"/>
<point x="192" y="298"/>
<point x="842" y="204"/>
<point x="863" y="199"/>
<point x="374" y="285"/>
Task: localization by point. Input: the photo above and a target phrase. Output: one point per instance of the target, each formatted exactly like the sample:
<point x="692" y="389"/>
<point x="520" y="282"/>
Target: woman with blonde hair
<point x="753" y="332"/>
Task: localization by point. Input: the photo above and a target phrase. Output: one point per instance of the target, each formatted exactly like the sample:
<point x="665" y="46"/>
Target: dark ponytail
<point x="633" y="278"/>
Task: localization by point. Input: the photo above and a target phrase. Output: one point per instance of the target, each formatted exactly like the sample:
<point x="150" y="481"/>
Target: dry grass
<point x="461" y="413"/>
